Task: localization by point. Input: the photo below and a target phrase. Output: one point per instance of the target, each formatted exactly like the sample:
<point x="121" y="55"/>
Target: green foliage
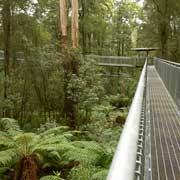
<point x="87" y="172"/>
<point x="100" y="175"/>
<point x="86" y="89"/>
<point x="160" y="27"/>
<point x="7" y="156"/>
<point x="8" y="124"/>
<point x="40" y="85"/>
<point x="82" y="172"/>
<point x="56" y="176"/>
<point x="125" y="17"/>
<point x="53" y="148"/>
<point x="51" y="178"/>
<point x="18" y="144"/>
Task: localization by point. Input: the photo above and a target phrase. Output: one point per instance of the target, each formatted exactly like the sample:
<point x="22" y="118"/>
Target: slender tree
<point x="6" y="12"/>
<point x="82" y="29"/>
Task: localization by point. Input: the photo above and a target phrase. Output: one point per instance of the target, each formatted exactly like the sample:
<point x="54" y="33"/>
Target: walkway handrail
<point x="170" y="75"/>
<point x="115" y="60"/>
<point x="169" y="62"/>
<point x="124" y="161"/>
<point x="109" y="57"/>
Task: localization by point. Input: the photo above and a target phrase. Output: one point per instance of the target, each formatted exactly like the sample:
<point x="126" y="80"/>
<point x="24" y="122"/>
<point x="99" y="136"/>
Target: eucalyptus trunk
<point x="75" y="24"/>
<point x="63" y="23"/>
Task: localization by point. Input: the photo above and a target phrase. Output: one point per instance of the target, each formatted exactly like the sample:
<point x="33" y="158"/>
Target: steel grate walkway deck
<point x="165" y="130"/>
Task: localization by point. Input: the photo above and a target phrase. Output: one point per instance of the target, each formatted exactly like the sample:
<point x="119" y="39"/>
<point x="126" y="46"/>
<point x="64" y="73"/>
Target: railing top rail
<point x="124" y="161"/>
<point x="169" y="62"/>
<point x="109" y="57"/>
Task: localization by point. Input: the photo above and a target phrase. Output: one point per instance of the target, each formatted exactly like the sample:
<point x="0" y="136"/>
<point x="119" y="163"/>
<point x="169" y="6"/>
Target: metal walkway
<point x="149" y="146"/>
<point x="165" y="129"/>
<point x="116" y="65"/>
<point x="117" y="61"/>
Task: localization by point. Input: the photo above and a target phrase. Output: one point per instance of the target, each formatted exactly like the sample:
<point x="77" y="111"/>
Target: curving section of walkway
<point x="164" y="129"/>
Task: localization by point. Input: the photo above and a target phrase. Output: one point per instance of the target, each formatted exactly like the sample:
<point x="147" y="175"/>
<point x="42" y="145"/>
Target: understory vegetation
<point x="38" y="140"/>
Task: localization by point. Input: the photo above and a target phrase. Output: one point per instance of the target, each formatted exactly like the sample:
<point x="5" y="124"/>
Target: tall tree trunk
<point x="75" y="25"/>
<point x="163" y="23"/>
<point x="164" y="40"/>
<point x="7" y="41"/>
<point x="89" y="43"/>
<point x="122" y="47"/>
<point x="119" y="48"/>
<point x="69" y="106"/>
<point x="83" y="4"/>
<point x="63" y="23"/>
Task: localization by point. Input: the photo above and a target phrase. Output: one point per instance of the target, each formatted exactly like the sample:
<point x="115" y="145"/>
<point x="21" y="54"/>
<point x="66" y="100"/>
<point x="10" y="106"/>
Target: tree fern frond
<point x="53" y="139"/>
<point x="87" y="145"/>
<point x="6" y="142"/>
<point x="56" y="130"/>
<point x="25" y="142"/>
<point x="25" y="138"/>
<point x="55" y="155"/>
<point x="2" y="133"/>
<point x="87" y="152"/>
<point x="81" y="155"/>
<point x="100" y="175"/>
<point x="7" y="156"/>
<point x="90" y="146"/>
<point x="13" y="132"/>
<point x="68" y="135"/>
<point x="84" y="171"/>
<point x="53" y="147"/>
<point x="8" y="123"/>
<point x="51" y="178"/>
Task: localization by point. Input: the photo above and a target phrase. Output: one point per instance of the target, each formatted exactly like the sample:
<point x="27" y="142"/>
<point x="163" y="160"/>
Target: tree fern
<point x="54" y="148"/>
<point x="17" y="145"/>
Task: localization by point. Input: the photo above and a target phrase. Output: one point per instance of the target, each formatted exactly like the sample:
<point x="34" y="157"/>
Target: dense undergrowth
<point x="42" y="143"/>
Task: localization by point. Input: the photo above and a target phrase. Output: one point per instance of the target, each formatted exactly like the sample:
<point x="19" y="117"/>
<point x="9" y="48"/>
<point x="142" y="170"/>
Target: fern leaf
<point x="7" y="156"/>
<point x="8" y="123"/>
<point x="51" y="178"/>
<point x="101" y="175"/>
<point x="56" y="130"/>
<point x="6" y="142"/>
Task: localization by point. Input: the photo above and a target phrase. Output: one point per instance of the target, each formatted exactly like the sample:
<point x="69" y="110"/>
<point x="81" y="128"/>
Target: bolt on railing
<point x="124" y="164"/>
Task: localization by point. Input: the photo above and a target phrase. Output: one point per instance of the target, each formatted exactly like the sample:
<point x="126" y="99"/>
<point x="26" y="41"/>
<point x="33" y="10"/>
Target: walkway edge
<point x="124" y="161"/>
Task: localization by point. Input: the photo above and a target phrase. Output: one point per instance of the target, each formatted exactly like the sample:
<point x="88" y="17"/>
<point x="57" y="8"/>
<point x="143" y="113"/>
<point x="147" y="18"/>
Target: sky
<point x="140" y="2"/>
<point x="34" y="1"/>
